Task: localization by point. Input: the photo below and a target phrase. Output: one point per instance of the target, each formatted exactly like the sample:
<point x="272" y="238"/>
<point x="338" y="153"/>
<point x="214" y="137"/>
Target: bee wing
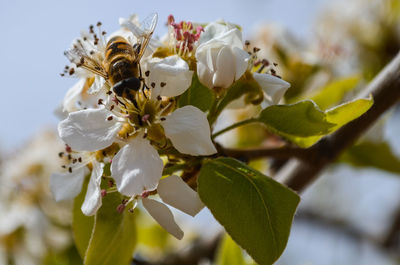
<point x="79" y="56"/>
<point x="142" y="32"/>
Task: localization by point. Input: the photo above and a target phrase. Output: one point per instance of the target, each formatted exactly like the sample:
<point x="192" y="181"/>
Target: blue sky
<point x="35" y="34"/>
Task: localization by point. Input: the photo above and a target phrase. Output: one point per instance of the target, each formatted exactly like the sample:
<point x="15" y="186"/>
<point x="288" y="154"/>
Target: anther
<point x="147" y="73"/>
<point x="69" y="157"/>
<point x="103" y="193"/>
<point x="91" y="29"/>
<point x="110" y="118"/>
<point x="247" y="43"/>
<point x="112" y="107"/>
<point x="99" y="24"/>
<point x="159" y="97"/>
<point x="255" y="49"/>
<point x="68" y="148"/>
<point x="100" y="101"/>
<point x="265" y="62"/>
<point x="70" y="170"/>
<point x="275" y="64"/>
<point x="145" y="194"/>
<point x="110" y="183"/>
<point x="153" y="85"/>
<point x="162" y="84"/>
<point x="103" y="33"/>
<point x="61" y="154"/>
<point x="63" y="166"/>
<point x="120" y="208"/>
<point x="74" y="161"/>
<point x="71" y="71"/>
<point x="162" y="118"/>
<point x="109" y="92"/>
<point x="80" y="159"/>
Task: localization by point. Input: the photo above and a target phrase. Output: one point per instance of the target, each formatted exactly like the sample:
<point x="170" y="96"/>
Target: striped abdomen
<point x="119" y="60"/>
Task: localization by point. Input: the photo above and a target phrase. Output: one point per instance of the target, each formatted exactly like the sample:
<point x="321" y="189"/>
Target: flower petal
<point x="173" y="72"/>
<point x="136" y="167"/>
<point x="65" y="186"/>
<point x="189" y="131"/>
<point x="163" y="215"/>
<point x="225" y="64"/>
<point x="274" y="87"/>
<point x="242" y="58"/>
<point x="73" y="96"/>
<point x="89" y="130"/>
<point x="175" y="192"/>
<point x="92" y="200"/>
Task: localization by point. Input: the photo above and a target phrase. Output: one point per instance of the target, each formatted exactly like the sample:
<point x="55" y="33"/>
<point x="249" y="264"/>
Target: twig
<point x="385" y="89"/>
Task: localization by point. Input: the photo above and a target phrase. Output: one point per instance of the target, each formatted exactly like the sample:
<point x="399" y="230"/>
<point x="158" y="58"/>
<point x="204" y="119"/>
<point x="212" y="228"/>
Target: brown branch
<point x="385" y="89"/>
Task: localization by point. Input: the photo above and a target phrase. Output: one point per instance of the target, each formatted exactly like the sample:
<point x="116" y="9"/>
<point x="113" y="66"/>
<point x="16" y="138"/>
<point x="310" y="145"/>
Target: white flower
<point x="221" y="59"/>
<point x="137" y="166"/>
<point x="169" y="77"/>
<point x="67" y="185"/>
<point x="175" y="192"/>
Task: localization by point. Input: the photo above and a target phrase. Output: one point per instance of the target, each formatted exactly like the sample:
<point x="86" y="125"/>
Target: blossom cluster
<point x="132" y="135"/>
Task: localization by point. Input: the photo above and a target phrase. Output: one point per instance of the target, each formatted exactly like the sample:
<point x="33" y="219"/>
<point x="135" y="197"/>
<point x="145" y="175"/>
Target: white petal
<point x="65" y="186"/>
<point x="173" y="71"/>
<point x="136" y="167"/>
<point x="226" y="68"/>
<point x="175" y="192"/>
<point x="92" y="200"/>
<point x="73" y="96"/>
<point x="163" y="215"/>
<point x="242" y="58"/>
<point x="189" y="131"/>
<point x="89" y="130"/>
<point x="273" y="87"/>
<point x="98" y="85"/>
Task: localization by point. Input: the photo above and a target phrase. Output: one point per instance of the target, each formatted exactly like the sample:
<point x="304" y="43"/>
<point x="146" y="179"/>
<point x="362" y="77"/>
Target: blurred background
<point x="350" y="215"/>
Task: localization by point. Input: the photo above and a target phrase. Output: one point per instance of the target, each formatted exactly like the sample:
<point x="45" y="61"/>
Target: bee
<point x="120" y="64"/>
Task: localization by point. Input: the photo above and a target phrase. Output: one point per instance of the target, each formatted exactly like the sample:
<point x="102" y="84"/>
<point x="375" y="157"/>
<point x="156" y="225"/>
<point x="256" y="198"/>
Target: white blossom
<point x="221" y="59"/>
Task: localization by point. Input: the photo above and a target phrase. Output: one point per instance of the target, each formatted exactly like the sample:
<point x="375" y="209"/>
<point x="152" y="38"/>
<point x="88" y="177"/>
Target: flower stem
<point x="233" y="126"/>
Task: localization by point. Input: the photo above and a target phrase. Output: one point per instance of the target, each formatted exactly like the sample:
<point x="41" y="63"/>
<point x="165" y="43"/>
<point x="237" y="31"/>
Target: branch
<point x="385" y="89"/>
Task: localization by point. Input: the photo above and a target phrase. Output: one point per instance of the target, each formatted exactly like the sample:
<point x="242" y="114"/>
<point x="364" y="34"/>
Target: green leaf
<point x="339" y="116"/>
<point x="229" y="253"/>
<point x="82" y="225"/>
<point x="196" y="95"/>
<point x="114" y="235"/>
<point x="334" y="92"/>
<point x="255" y="210"/>
<point x="302" y="119"/>
<point x="372" y="154"/>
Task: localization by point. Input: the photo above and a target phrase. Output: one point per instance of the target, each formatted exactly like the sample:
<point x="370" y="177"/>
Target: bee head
<point x="126" y="86"/>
